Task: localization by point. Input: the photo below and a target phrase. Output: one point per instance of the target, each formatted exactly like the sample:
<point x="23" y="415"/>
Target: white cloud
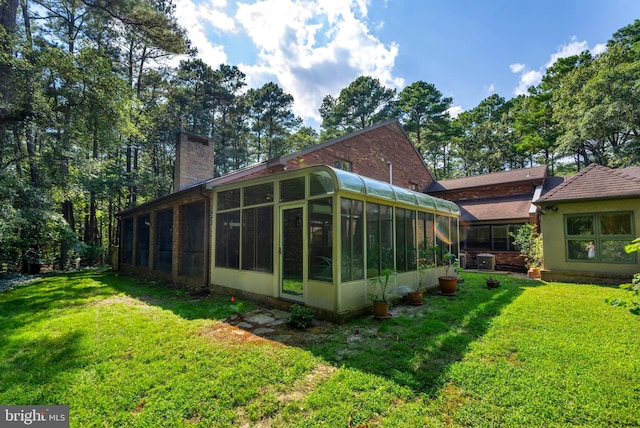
<point x="533" y="77"/>
<point x="491" y="89"/>
<point x="573" y="48"/>
<point x="454" y="111"/>
<point x="516" y="68"/>
<point x="527" y="79"/>
<point x="310" y="48"/>
<point x="599" y="48"/>
<point x="190" y="17"/>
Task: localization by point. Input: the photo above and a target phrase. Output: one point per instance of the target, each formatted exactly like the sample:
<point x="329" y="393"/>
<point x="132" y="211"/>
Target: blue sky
<point x="467" y="49"/>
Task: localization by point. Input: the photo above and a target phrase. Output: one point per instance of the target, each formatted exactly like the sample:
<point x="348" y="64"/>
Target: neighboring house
<point x="311" y="227"/>
<point x="587" y="221"/>
<point x="492" y="206"/>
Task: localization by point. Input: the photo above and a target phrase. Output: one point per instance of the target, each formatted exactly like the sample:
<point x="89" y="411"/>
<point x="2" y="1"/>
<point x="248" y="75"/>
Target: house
<point x="492" y="206"/>
<point x="312" y="227"/>
<point x="587" y="221"/>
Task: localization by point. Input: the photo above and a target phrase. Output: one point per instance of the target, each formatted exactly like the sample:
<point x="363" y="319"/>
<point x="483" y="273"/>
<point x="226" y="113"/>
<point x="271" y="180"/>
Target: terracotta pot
<point x="448" y="285"/>
<point x="415" y="298"/>
<point x="534" y="273"/>
<point x="380" y="309"/>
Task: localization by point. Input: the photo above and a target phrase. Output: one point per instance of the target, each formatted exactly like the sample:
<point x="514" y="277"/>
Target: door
<point x="292" y="253"/>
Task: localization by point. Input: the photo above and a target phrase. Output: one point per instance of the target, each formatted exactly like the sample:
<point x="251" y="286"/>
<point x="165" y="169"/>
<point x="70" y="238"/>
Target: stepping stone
<point x="262" y="330"/>
<point x="260" y="319"/>
<point x="244" y="325"/>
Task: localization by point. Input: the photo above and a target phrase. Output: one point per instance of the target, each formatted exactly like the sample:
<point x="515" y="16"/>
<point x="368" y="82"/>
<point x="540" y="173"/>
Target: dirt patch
<point x="227" y="333"/>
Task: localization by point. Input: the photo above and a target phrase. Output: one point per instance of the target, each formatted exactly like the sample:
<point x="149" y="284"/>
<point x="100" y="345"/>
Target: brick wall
<point x="152" y="210"/>
<point x="370" y="154"/>
<point x="194" y="160"/>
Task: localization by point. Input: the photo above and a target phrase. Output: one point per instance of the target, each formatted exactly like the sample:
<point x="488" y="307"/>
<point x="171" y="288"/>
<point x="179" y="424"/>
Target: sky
<point x="468" y="49"/>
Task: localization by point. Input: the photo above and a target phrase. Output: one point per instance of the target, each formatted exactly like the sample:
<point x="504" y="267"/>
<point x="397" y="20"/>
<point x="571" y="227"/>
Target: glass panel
<point x="379" y="239"/>
<point x="127" y="238"/>
<point x="257" y="239"/>
<point x="352" y="229"/>
<point x="321" y="240"/>
<point x="292" y="254"/>
<point x="142" y="243"/>
<point x="320" y="183"/>
<point x="579" y="249"/>
<point x="192" y="239"/>
<point x="378" y="188"/>
<point x="500" y="238"/>
<point x="443" y="235"/>
<point x="228" y="239"/>
<point x="406" y="256"/>
<point x="580" y="225"/>
<point x="426" y="201"/>
<point x="258" y="194"/>
<point x="479" y="238"/>
<point x="164" y="241"/>
<point x="349" y="181"/>
<point x="405" y="195"/>
<point x="292" y="190"/>
<point x="455" y="242"/>
<point x="426" y="240"/>
<point x="229" y="199"/>
<point x="612" y="251"/>
<point x="615" y="224"/>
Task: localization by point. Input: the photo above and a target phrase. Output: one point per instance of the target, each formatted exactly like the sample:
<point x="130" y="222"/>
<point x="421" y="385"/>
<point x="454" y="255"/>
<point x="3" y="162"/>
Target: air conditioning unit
<point x="486" y="261"/>
<point x="462" y="259"/>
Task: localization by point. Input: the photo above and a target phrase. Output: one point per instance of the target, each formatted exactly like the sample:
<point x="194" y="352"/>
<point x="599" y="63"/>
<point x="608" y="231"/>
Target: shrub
<point x="300" y="317"/>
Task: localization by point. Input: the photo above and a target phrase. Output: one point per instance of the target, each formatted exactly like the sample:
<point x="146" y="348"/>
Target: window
<point x="490" y="237"/>
<point x="164" y="241"/>
<point x="426" y="238"/>
<point x="599" y="237"/>
<point x="127" y="238"/>
<point x="352" y="228"/>
<point x="192" y="238"/>
<point x="443" y="235"/>
<point x="405" y="240"/>
<point x="257" y="239"/>
<point x="379" y="239"/>
<point x="320" y="239"/>
<point x="320" y="183"/>
<point x="229" y="199"/>
<point x="228" y="239"/>
<point x="258" y="194"/>
<point x="142" y="241"/>
<point x="342" y="164"/>
<point x="292" y="190"/>
<point x="413" y="186"/>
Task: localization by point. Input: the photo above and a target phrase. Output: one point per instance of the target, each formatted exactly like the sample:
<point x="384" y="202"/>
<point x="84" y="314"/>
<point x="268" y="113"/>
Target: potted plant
<point x="492" y="282"/>
<point x="425" y="263"/>
<point x="449" y="283"/>
<point x="529" y="241"/>
<point x="381" y="293"/>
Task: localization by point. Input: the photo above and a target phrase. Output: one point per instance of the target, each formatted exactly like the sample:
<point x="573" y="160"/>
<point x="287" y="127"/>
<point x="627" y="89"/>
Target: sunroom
<point x="317" y="235"/>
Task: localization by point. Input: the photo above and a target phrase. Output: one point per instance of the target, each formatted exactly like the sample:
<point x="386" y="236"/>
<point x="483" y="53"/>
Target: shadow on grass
<point x="416" y="347"/>
<point x="35" y="364"/>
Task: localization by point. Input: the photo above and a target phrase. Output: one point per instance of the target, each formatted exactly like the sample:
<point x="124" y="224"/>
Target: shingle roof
<point x="596" y="182"/>
<point x="491" y="209"/>
<point x="496" y="178"/>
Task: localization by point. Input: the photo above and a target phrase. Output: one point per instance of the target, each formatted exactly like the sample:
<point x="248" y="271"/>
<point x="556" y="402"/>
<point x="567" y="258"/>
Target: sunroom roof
<point x="351" y="182"/>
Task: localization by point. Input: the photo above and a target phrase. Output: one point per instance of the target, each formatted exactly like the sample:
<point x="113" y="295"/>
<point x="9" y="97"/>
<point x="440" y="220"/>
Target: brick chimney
<point x="194" y="160"/>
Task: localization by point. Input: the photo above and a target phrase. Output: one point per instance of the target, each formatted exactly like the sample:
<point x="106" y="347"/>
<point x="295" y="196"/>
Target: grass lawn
<point x="122" y="351"/>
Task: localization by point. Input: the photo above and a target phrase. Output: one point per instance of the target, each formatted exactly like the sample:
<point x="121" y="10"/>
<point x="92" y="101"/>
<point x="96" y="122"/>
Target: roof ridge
<point x="570" y="180"/>
<point x="624" y="174"/>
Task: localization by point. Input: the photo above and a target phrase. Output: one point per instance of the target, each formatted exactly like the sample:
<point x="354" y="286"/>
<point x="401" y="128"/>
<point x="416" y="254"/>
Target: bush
<point x="300" y="317"/>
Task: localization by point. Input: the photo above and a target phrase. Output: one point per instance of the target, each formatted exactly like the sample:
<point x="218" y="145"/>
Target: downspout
<point x="390" y="172"/>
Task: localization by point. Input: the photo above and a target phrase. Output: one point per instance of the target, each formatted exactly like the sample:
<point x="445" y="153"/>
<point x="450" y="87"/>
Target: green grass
<point x="126" y="352"/>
